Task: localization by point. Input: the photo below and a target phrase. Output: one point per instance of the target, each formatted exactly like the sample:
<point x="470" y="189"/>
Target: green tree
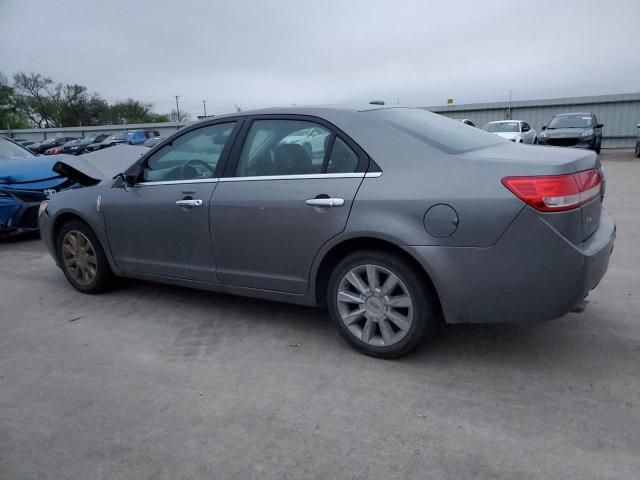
<point x="10" y="116"/>
<point x="39" y="98"/>
<point x="133" y="111"/>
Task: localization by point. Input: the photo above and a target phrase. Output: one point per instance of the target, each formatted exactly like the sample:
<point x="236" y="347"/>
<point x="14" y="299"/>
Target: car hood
<point x="564" y="132"/>
<point x="92" y="168"/>
<point x="28" y="169"/>
<point x="507" y="135"/>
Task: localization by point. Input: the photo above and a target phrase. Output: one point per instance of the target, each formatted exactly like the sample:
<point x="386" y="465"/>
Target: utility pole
<point x="204" y="107"/>
<point x="177" y="108"/>
<point x="509" y="109"/>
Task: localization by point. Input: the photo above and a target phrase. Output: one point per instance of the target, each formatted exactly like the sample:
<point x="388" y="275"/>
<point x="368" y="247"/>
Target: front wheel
<point x="638" y="150"/>
<point x="83" y="260"/>
<point x="381" y="303"/>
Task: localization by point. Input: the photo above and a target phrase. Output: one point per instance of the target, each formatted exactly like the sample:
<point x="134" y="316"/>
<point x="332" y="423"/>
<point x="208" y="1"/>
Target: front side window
<point x="192" y="156"/>
<point x="284" y="147"/>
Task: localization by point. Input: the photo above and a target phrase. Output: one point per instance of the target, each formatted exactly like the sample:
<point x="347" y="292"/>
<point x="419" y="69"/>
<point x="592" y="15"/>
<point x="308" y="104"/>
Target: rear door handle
<point x="325" y="202"/>
<point x="189" y="203"/>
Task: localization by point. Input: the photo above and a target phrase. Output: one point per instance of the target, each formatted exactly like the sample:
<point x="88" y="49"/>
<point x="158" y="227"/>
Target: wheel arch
<point x="346" y="246"/>
<point x="66" y="216"/>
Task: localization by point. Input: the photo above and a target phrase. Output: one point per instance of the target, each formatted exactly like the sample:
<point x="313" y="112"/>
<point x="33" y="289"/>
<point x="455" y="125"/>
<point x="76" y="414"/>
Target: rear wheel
<point x="535" y="141"/>
<point x="83" y="260"/>
<point x="381" y="303"/>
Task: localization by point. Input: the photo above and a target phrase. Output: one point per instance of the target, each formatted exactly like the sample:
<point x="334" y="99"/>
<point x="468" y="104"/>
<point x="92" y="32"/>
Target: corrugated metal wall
<point x="619" y="113"/>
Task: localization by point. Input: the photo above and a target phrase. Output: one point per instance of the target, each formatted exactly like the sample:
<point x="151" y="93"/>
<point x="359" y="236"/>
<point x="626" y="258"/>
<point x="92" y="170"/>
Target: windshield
<point x="10" y="151"/>
<point x="571" y="121"/>
<point x="513" y="127"/>
<point x="436" y="130"/>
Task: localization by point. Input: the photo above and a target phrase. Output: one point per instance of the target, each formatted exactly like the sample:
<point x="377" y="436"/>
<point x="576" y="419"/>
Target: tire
<point x="93" y="259"/>
<point x="535" y="141"/>
<point x="596" y="146"/>
<point x="390" y="330"/>
<point x="638" y="150"/>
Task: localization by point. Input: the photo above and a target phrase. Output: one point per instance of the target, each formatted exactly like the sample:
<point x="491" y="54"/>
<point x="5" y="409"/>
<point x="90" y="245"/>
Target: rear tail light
<point x="553" y="193"/>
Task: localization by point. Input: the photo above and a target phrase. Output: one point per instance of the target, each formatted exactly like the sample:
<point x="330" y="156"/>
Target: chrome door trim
<point x="178" y="182"/>
<point x="313" y="176"/>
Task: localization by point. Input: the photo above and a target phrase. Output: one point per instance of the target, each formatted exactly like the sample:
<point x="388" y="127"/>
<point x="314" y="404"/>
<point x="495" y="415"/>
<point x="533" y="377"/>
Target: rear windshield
<point x="438" y="131"/>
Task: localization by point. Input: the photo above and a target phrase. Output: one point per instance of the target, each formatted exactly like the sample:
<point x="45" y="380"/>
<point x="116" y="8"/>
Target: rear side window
<point x="342" y="158"/>
<point x="283" y="147"/>
<point x="436" y="130"/>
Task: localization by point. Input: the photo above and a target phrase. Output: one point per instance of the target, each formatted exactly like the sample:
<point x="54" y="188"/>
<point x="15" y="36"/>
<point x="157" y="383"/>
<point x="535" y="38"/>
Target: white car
<point x="514" y="130"/>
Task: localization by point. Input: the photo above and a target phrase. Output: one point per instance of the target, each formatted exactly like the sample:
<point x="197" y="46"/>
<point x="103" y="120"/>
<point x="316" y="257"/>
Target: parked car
<point x="138" y="137"/>
<point x="110" y="141"/>
<point x="638" y="143"/>
<point x="312" y="140"/>
<point x="25" y="181"/>
<point x="50" y="143"/>
<point x="580" y="130"/>
<point x="408" y="217"/>
<point x="54" y="151"/>
<point x="152" y="141"/>
<point x="515" y="130"/>
<point x="77" y="147"/>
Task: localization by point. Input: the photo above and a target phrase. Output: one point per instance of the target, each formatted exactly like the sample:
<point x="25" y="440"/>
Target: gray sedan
<point x="392" y="218"/>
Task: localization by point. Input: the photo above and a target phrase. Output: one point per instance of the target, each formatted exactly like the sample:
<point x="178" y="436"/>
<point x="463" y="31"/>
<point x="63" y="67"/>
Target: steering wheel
<point x="186" y="175"/>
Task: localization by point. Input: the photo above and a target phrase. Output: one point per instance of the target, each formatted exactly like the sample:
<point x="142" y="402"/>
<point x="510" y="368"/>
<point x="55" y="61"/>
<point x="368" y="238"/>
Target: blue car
<point x="25" y="181"/>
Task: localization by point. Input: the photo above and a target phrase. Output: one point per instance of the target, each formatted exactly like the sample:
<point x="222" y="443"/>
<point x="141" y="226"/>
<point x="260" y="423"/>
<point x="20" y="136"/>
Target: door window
<point x="342" y="158"/>
<point x="192" y="156"/>
<point x="284" y="147"/>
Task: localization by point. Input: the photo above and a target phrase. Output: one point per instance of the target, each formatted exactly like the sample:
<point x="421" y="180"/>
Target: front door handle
<point x="325" y="202"/>
<point x="189" y="203"/>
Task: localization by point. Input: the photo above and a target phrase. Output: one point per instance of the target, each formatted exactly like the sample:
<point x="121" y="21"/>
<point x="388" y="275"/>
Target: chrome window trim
<point x="177" y="182"/>
<point x="314" y="176"/>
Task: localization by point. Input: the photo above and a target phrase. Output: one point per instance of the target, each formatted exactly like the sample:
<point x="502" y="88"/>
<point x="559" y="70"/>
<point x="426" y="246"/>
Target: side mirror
<point x="544" y="127"/>
<point x="525" y="129"/>
<point x="599" y="125"/>
<point x="126" y="180"/>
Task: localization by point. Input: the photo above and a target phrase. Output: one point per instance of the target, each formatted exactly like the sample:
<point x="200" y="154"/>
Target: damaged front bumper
<point x="19" y="214"/>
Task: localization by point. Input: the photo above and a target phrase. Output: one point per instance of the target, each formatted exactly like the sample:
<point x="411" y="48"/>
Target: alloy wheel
<point x="79" y="257"/>
<point x="375" y="305"/>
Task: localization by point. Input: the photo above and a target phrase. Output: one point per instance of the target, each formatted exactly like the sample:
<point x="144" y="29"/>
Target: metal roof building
<point x="619" y="113"/>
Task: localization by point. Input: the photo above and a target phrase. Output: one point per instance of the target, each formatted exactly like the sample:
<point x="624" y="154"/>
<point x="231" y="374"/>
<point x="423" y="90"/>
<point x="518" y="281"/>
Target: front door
<point x="160" y="226"/>
<point x="294" y="184"/>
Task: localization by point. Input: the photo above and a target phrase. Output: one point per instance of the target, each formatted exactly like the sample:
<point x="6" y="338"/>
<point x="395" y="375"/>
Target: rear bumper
<point x="531" y="274"/>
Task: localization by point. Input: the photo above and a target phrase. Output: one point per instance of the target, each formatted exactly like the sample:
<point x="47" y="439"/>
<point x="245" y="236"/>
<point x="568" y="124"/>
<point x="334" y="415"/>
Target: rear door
<point x="288" y="191"/>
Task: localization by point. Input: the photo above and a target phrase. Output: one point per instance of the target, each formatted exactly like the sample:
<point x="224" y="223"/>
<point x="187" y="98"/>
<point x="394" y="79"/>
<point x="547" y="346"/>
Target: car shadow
<point x="471" y="344"/>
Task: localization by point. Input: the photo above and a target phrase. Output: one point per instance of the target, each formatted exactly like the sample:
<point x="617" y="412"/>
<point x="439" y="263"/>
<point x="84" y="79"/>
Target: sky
<point x="260" y="53"/>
